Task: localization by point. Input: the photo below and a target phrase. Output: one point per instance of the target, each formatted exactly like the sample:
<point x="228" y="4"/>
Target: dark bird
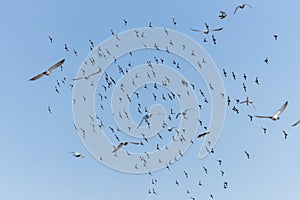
<point x="285" y="134"/>
<point x="50" y="38"/>
<point x="203" y="134"/>
<point x="48" y="71"/>
<point x="256" y="81"/>
<point x="225" y="73"/>
<point x="247" y="154"/>
<point x="222" y="15"/>
<point x="275" y="36"/>
<point x="276" y="114"/>
<point x="264" y="129"/>
<point x="241" y="6"/>
<point x="214" y="39"/>
<point x="77" y="155"/>
<point x="266" y="60"/>
<point x="125" y="22"/>
<point x="66" y="48"/>
<point x="250" y="117"/>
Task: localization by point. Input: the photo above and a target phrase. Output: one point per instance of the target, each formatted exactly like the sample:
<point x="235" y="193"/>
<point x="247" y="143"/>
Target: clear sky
<point x="36" y="162"/>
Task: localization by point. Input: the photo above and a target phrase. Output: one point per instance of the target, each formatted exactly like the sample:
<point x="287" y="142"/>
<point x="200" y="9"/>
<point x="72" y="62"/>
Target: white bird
<point x="276" y="114"/>
<point x="48" y="71"/>
<point x="242" y="6"/>
<point x="77" y="155"/>
<point x="247" y="101"/>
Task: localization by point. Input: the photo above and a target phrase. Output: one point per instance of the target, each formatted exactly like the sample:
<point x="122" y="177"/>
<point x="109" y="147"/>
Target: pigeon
<point x="48" y="71"/>
<point x="276" y="114"/>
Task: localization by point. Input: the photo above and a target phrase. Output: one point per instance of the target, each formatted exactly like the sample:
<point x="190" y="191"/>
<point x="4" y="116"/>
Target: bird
<point x="147" y="116"/>
<point x="49" y="109"/>
<point x="125" y="22"/>
<point x="264" y="129"/>
<point x="247" y="154"/>
<point x="276" y="114"/>
<point x="256" y="81"/>
<point x="88" y="76"/>
<point x="250" y="117"/>
<point x="207" y="30"/>
<point x="266" y="60"/>
<point x="48" y="71"/>
<point x="285" y="134"/>
<point x="184" y="113"/>
<point x="124" y="144"/>
<point x="296" y="123"/>
<point x="275" y="36"/>
<point x="222" y="15"/>
<point x="77" y="155"/>
<point x="214" y="39"/>
<point x="50" y="38"/>
<point x="173" y="20"/>
<point x="66" y="48"/>
<point x="241" y="6"/>
<point x="247" y="101"/>
<point x="203" y="134"/>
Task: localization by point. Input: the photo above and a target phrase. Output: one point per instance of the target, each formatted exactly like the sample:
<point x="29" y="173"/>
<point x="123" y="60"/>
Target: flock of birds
<point x="172" y="115"/>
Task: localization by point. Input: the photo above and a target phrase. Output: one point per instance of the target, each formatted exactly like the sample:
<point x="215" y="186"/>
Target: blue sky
<point x="35" y="145"/>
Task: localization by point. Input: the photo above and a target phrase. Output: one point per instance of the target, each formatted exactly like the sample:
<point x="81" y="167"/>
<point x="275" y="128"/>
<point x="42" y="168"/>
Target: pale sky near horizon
<point x="36" y="145"/>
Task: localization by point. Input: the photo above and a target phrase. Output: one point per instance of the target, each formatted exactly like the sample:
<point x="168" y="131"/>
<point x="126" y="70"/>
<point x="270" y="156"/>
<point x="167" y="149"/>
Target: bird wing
<point x="56" y="65"/>
<point x="140" y="123"/>
<point x="177" y="115"/>
<point x="252" y="102"/>
<point x="188" y="109"/>
<point x="136" y="143"/>
<point x="118" y="147"/>
<point x="296" y="123"/>
<point x="197" y="30"/>
<point x="282" y="108"/>
<point x="263" y="116"/>
<point x="217" y="29"/>
<point x="75" y="79"/>
<point x="248" y="5"/>
<point x="236" y="8"/>
<point x="37" y="76"/>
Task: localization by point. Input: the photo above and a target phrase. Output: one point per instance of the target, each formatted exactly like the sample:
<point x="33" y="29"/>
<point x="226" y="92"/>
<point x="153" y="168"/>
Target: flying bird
<point x="48" y="71"/>
<point x="241" y="6"/>
<point x="124" y="144"/>
<point x="247" y="101"/>
<point x="203" y="134"/>
<point x="222" y="15"/>
<point x="276" y="114"/>
<point x="77" y="155"/>
<point x="207" y="30"/>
